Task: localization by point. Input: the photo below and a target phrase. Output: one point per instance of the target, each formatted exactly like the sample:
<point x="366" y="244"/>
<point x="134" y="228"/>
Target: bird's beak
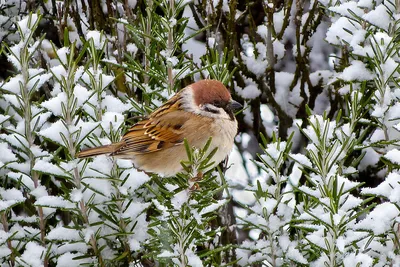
<point x="235" y="106"/>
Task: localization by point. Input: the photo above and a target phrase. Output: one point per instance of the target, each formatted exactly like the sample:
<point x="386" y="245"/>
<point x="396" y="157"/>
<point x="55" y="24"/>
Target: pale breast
<point x="167" y="161"/>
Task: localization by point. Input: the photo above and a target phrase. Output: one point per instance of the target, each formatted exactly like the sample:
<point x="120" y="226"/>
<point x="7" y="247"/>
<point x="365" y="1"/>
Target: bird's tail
<point x="100" y="150"/>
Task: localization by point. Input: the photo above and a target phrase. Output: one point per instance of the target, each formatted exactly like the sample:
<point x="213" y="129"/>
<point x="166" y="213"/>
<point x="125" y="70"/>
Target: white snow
<point x="54" y="202"/>
<point x="379" y="17"/>
<point x="356" y="71"/>
<point x="63" y="234"/>
<point x="97" y="37"/>
<point x="33" y="255"/>
<point x="49" y="168"/>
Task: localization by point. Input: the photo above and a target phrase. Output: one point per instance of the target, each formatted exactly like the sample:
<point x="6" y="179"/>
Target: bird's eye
<point x="211" y="108"/>
<point x="218" y="104"/>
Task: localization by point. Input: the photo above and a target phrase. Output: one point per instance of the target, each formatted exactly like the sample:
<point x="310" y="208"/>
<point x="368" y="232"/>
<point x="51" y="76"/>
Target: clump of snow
<point x="341" y="31"/>
<point x="33" y="254"/>
<point x="63" y="233"/>
<point x="356" y="71"/>
<point x="54" y="202"/>
<point x="97" y="37"/>
<point x="379" y="17"/>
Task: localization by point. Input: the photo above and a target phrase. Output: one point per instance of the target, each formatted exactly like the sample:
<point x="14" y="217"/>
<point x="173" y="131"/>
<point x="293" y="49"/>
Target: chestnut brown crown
<point x="210" y="91"/>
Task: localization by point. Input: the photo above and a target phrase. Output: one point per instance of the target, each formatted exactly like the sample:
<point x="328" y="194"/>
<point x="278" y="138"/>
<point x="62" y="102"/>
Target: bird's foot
<point x="194" y="180"/>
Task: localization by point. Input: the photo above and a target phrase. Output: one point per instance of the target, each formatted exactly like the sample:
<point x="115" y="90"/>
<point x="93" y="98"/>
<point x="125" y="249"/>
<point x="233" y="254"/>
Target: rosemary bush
<point x="313" y="179"/>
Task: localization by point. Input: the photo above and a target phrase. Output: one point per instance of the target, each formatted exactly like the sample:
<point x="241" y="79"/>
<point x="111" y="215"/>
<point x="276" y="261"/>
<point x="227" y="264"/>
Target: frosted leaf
<point x="54" y="202"/>
<point x="279" y="49"/>
<point x="22" y="178"/>
<point x="62" y="54"/>
<point x="193" y="259"/>
<point x="301" y="159"/>
<point x="10" y="197"/>
<point x="132" y="48"/>
<point x="100" y="167"/>
<point x="379" y="220"/>
<point x="85" y="128"/>
<point x="13" y="84"/>
<point x="134" y="209"/>
<point x="356" y="71"/>
<point x="135" y="179"/>
<point x="367" y="3"/>
<point x="39" y="118"/>
<point x="79" y="247"/>
<point x="73" y="259"/>
<point x="317" y="238"/>
<point x="113" y="104"/>
<point x="389" y="67"/>
<point x="283" y="81"/>
<point x="55" y="132"/>
<point x="4" y="118"/>
<point x="101" y="189"/>
<point x="106" y="80"/>
<point x="49" y="168"/>
<point x="33" y="255"/>
<point x="12" y="99"/>
<point x="213" y="207"/>
<point x="393" y="156"/>
<point x="55" y="104"/>
<point x="379" y="17"/>
<point x="341" y="31"/>
<point x="63" y="233"/>
<point x="180" y="198"/>
<point x="140" y="233"/>
<point x="37" y="77"/>
<point x="268" y="204"/>
<point x="345" y="8"/>
<point x="309" y="191"/>
<point x="39" y="192"/>
<point x="256" y="65"/>
<point x="371" y="158"/>
<point x="26" y="24"/>
<point x="360" y="259"/>
<point x="14" y="56"/>
<point x="389" y="188"/>
<point x="250" y="91"/>
<point x="97" y="37"/>
<point x="346" y="183"/>
<point x="295" y="255"/>
<point x="25" y="219"/>
<point x="76" y="195"/>
<point x="6" y="154"/>
<point x="166" y="254"/>
<point x="82" y="94"/>
<point x="4" y="251"/>
<point x="59" y="72"/>
<point x="351" y="203"/>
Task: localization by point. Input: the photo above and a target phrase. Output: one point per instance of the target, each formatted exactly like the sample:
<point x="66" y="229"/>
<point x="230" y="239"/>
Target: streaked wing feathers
<point x="163" y="129"/>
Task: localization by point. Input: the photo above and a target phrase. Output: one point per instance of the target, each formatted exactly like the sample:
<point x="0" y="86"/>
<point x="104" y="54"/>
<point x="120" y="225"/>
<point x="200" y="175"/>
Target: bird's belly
<point x="168" y="161"/>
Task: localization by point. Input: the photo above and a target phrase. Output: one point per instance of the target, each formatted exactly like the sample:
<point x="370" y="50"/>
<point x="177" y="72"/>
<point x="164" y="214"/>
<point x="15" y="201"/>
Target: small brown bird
<point x="199" y="111"/>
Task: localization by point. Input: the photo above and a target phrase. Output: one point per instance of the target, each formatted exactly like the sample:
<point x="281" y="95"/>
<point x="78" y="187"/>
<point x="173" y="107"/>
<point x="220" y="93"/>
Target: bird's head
<point x="211" y="98"/>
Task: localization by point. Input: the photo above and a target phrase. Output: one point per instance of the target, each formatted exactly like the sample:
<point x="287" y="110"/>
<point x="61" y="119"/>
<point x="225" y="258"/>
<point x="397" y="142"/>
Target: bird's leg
<point x="194" y="187"/>
<point x="197" y="178"/>
<point x="194" y="180"/>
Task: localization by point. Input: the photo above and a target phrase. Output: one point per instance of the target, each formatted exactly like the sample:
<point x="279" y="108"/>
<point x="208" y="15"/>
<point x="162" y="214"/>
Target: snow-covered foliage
<point x="319" y="82"/>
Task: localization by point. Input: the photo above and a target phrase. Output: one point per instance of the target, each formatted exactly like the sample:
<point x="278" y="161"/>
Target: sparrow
<point x="199" y="111"/>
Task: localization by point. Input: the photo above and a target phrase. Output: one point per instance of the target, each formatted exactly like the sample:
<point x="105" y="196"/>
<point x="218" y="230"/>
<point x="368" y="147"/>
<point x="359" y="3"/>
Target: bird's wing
<point x="163" y="129"/>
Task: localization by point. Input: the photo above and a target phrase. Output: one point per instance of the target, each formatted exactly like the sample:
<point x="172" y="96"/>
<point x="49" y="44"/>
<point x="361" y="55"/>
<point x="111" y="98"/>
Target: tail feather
<point x="95" y="151"/>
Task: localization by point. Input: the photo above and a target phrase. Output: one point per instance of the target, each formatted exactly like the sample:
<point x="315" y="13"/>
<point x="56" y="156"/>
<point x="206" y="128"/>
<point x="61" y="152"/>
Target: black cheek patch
<point x="229" y="111"/>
